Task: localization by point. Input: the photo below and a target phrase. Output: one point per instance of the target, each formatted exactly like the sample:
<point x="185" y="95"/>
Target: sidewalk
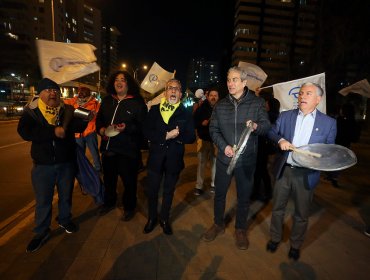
<point x="108" y="248"/>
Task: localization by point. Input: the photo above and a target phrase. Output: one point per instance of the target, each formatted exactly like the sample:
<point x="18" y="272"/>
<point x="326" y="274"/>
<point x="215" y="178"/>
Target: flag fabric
<point x="63" y="62"/>
<point x="361" y="87"/>
<point x="156" y="79"/>
<point x="156" y="100"/>
<point x="88" y="177"/>
<point x="256" y="76"/>
<point x="287" y="92"/>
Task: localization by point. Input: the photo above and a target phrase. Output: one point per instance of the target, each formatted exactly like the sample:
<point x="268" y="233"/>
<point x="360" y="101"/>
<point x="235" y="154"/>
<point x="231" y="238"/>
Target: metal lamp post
<point x="134" y="71"/>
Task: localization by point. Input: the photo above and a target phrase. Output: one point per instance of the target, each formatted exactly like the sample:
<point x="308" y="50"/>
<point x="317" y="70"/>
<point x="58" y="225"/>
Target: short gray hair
<point x="241" y="71"/>
<point x="319" y="90"/>
<point x="173" y="80"/>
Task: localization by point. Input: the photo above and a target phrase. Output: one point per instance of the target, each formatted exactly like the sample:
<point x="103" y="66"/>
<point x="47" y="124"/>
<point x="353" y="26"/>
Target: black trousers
<point x="152" y="191"/>
<point x="127" y="168"/>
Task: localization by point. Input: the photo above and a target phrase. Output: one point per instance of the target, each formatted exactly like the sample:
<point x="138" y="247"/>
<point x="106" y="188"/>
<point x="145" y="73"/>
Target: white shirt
<point x="302" y="131"/>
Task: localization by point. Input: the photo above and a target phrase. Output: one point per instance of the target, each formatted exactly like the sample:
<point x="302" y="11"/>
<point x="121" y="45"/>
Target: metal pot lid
<point x="333" y="157"/>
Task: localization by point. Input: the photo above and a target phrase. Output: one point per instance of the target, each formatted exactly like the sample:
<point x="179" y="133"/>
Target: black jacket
<point x="204" y="112"/>
<point x="46" y="148"/>
<point x="168" y="154"/>
<point x="132" y="112"/>
<point x="229" y="120"/>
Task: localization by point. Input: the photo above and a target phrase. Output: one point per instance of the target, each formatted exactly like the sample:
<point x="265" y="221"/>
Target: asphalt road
<point x="15" y="165"/>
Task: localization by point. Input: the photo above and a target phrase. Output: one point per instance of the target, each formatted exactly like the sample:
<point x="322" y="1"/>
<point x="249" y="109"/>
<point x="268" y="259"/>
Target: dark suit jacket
<point x="168" y="154"/>
<point x="324" y="131"/>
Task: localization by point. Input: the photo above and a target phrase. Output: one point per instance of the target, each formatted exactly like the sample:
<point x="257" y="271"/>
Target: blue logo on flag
<point x="294" y="91"/>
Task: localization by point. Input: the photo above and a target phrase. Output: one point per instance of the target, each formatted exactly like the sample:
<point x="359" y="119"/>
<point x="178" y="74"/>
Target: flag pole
<point x="52" y="19"/>
<point x="266" y="87"/>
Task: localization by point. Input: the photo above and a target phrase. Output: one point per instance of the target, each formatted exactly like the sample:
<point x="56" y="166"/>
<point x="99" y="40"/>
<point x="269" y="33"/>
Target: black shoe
<point x="150" y="225"/>
<point x="38" y="241"/>
<point x="166" y="227"/>
<point x="104" y="209"/>
<point x="69" y="228"/>
<point x="293" y="254"/>
<point x="272" y="246"/>
<point x="128" y="215"/>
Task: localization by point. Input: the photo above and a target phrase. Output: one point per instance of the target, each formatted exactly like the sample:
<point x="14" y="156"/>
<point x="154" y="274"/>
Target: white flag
<point x="156" y="79"/>
<point x="361" y="87"/>
<point x="256" y="76"/>
<point x="63" y="62"/>
<point x="287" y="92"/>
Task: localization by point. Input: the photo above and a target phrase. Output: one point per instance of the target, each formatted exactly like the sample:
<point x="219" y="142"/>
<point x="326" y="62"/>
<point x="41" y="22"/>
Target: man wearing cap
<point x="294" y="128"/>
<point x="89" y="137"/>
<point x="49" y="124"/>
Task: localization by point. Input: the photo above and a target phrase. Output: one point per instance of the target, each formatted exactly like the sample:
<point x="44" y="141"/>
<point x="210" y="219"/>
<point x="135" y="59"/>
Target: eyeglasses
<point x="173" y="88"/>
<point x="50" y="90"/>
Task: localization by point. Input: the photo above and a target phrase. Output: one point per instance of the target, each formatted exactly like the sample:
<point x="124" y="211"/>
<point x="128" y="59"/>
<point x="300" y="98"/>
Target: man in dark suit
<point x="294" y="128"/>
<point x="168" y="127"/>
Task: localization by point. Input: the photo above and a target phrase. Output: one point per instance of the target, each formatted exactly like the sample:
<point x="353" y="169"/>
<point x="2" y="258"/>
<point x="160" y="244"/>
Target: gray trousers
<point x="293" y="183"/>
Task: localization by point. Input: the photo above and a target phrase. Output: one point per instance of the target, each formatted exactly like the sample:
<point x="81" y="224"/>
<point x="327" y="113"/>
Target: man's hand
<point x="229" y="151"/>
<point x="251" y="124"/>
<point x="120" y="127"/>
<point x="285" y="145"/>
<point x="60" y="132"/>
<point x="173" y="133"/>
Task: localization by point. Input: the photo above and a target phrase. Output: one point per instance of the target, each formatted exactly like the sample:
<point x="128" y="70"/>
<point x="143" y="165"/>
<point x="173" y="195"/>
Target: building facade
<point x="279" y="36"/>
<point x="70" y="21"/>
<point x="202" y="73"/>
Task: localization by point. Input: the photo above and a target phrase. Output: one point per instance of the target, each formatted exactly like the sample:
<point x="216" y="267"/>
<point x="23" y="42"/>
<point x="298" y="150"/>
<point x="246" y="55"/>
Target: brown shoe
<point x="241" y="240"/>
<point x="212" y="233"/>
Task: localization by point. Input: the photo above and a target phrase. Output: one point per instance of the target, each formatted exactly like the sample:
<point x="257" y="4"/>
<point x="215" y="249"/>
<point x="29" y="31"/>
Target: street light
<point x="134" y="71"/>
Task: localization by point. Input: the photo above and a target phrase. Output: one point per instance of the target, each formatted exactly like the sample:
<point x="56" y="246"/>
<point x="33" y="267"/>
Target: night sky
<point x="170" y="32"/>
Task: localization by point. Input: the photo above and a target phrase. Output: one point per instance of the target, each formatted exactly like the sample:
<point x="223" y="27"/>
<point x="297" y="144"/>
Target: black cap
<point x="46" y="83"/>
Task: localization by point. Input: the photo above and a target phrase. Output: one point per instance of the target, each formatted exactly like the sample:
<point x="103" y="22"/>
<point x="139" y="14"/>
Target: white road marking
<point x="14" y="144"/>
<point x="22" y="224"/>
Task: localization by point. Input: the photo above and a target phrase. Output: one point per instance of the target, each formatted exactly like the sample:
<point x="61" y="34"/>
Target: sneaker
<point x="198" y="192"/>
<point x="241" y="240"/>
<point x="212" y="233"/>
<point x="69" y="228"/>
<point x="38" y="241"/>
<point x="212" y="190"/>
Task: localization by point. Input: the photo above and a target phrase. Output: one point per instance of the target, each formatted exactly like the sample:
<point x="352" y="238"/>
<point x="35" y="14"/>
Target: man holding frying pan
<point x="294" y="128"/>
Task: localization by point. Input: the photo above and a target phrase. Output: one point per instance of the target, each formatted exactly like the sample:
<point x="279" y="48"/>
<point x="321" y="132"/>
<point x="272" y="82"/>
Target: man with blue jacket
<point x="294" y="128"/>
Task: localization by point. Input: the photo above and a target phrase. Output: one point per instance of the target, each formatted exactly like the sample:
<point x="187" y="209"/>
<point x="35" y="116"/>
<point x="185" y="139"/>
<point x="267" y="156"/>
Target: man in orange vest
<point x="89" y="137"/>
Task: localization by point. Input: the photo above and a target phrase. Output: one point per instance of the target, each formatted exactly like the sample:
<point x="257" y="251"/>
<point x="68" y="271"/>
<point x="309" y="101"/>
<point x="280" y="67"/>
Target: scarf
<point x="51" y="114"/>
<point x="167" y="109"/>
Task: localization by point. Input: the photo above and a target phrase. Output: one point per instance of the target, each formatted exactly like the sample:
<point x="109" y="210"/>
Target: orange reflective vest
<point x="92" y="105"/>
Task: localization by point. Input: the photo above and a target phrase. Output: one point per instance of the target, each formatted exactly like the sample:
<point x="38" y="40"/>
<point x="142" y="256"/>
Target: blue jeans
<point x="244" y="186"/>
<point x="91" y="141"/>
<point x="44" y="179"/>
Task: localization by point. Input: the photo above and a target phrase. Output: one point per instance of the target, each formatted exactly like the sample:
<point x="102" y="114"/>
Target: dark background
<point x="171" y="32"/>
